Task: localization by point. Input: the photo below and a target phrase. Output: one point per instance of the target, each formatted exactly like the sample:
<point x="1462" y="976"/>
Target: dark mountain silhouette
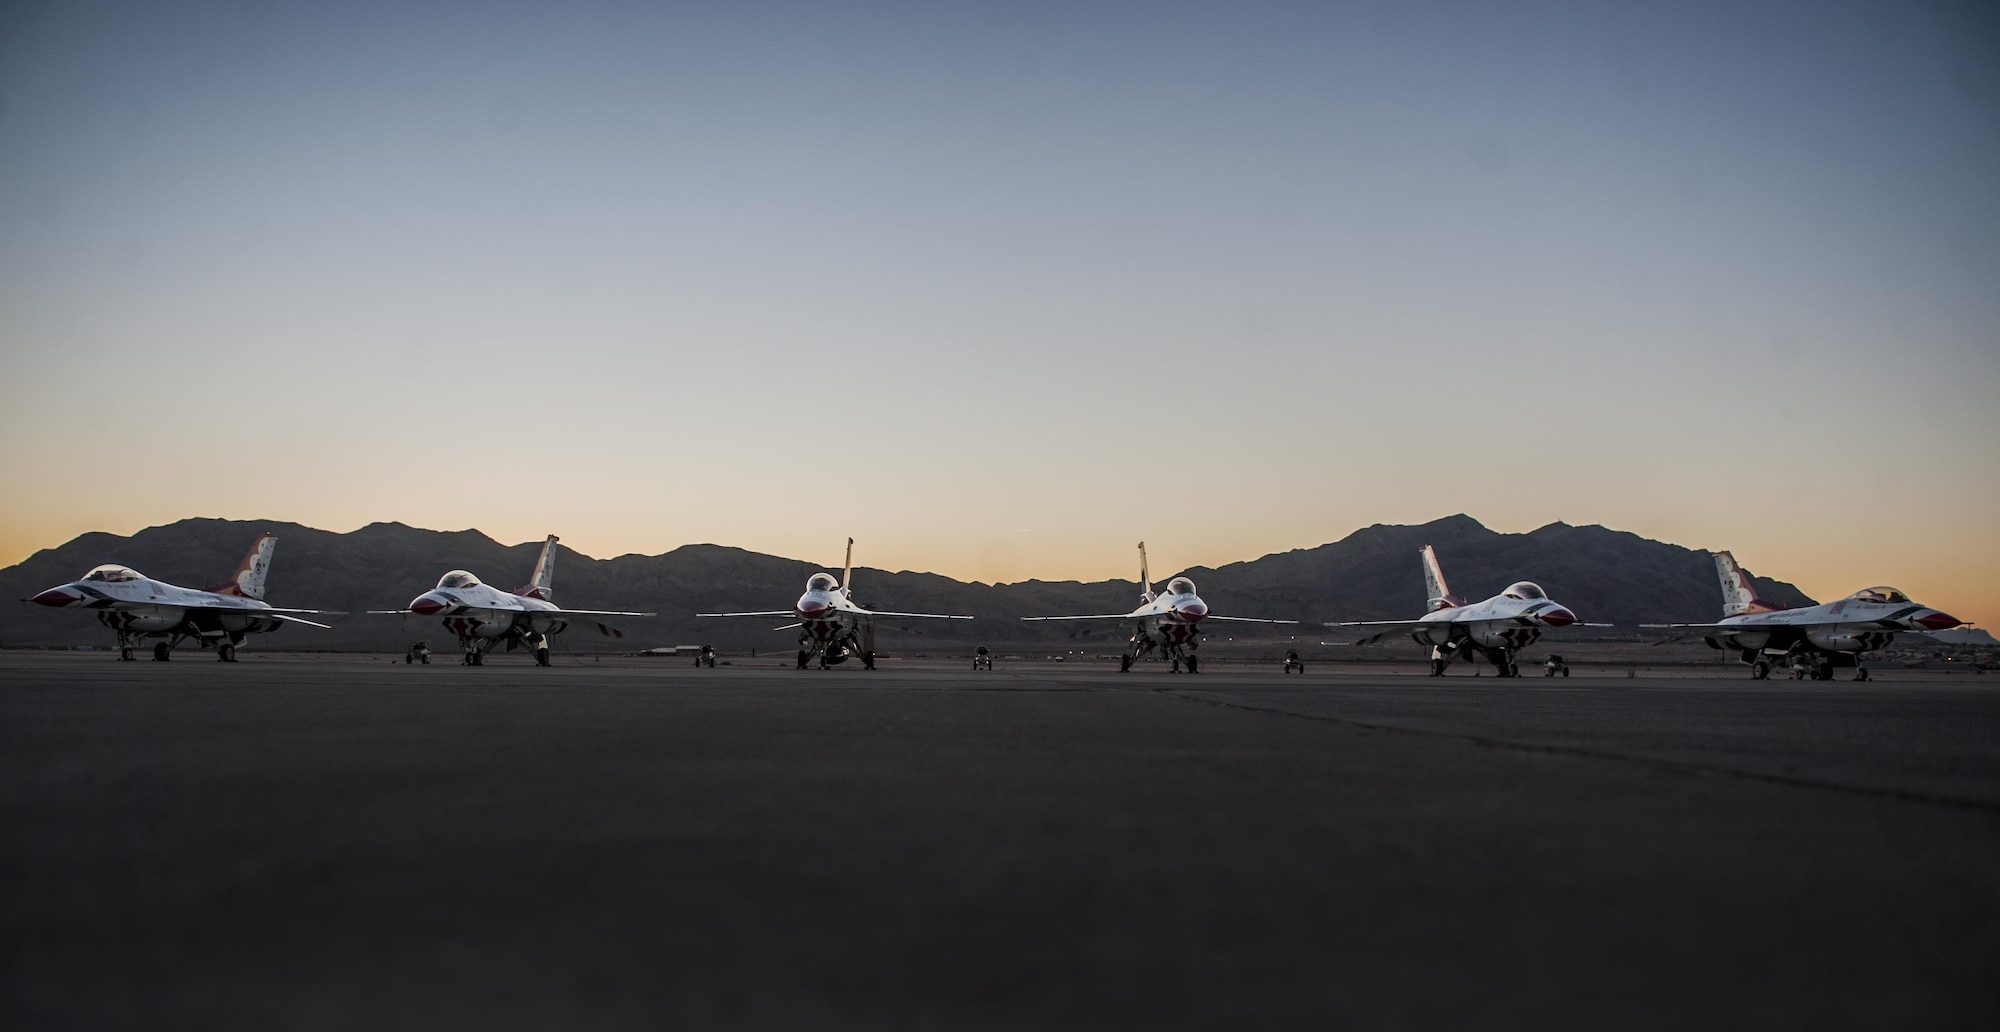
<point x="1605" y="575"/>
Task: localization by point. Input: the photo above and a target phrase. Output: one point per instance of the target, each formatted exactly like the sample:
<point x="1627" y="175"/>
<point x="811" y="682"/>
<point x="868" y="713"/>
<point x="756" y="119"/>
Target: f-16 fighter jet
<point x="1497" y="629"/>
<point x="831" y="627"/>
<point x="483" y="616"/>
<point x="1169" y="621"/>
<point x="219" y="615"/>
<point x="1822" y="637"/>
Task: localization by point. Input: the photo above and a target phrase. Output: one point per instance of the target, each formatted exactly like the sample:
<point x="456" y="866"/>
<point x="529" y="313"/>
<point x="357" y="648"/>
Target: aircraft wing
<point x="1105" y="616"/>
<point x="767" y="612"/>
<point x="1247" y="619"/>
<point x="585" y="612"/>
<point x="308" y="623"/>
<point x="262" y="612"/>
<point x="920" y="616"/>
<point x="1380" y="629"/>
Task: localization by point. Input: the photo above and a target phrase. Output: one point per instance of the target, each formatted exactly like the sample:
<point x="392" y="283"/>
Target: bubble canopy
<point x="1879" y="593"/>
<point x="111" y="573"/>
<point x="1525" y="590"/>
<point x="458" y="579"/>
<point x="822" y="582"/>
<point x="1180" y="586"/>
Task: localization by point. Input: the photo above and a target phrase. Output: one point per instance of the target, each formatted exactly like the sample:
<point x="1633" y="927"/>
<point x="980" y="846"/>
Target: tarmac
<point x="349" y="841"/>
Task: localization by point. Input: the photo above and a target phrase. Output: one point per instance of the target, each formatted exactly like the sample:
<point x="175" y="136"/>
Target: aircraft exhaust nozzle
<point x="58" y="597"/>
<point x="426" y="605"/>
<point x="1557" y="617"/>
<point x="1930" y="620"/>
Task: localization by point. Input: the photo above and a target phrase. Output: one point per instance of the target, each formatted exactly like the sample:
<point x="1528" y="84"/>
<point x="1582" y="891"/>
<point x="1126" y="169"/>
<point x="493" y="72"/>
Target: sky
<point x="1001" y="289"/>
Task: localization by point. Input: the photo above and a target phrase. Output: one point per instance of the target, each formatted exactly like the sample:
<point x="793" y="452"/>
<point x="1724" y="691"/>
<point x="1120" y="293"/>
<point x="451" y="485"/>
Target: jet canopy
<point x="1879" y="593"/>
<point x="112" y="573"/>
<point x="1525" y="590"/>
<point x="1180" y="586"/>
<point x="822" y="582"/>
<point x="458" y="579"/>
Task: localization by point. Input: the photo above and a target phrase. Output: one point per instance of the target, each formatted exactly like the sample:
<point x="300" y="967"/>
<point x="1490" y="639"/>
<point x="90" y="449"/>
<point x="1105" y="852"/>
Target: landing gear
<point x="225" y="652"/>
<point x="867" y="661"/>
<point x="161" y="652"/>
<point x="1760" y="671"/>
<point x="1503" y="663"/>
<point x="542" y="656"/>
<point x="474" y="656"/>
<point x="1293" y="662"/>
<point x="983" y="659"/>
<point x="1193" y="664"/>
<point x="803" y="656"/>
<point x="1861" y="673"/>
<point x="1124" y="663"/>
<point x="125" y="653"/>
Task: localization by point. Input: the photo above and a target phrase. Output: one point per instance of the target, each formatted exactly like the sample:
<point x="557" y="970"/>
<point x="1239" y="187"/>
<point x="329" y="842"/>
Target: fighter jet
<point x="1169" y="621"/>
<point x="831" y="627"/>
<point x="1496" y="629"/>
<point x="218" y="616"/>
<point x="483" y="616"/>
<point x="1823" y="636"/>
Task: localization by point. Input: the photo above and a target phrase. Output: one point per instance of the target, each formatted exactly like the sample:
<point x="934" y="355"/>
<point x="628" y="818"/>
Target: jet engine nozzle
<point x="1556" y="616"/>
<point x="428" y="604"/>
<point x="58" y="597"/>
<point x="1929" y="619"/>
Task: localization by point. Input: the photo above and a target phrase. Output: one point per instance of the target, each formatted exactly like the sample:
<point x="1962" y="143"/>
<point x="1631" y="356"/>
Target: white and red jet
<point x="483" y="616"/>
<point x="831" y="627"/>
<point x="218" y="616"/>
<point x="1169" y="621"/>
<point x="1497" y="629"/>
<point x="1822" y="636"/>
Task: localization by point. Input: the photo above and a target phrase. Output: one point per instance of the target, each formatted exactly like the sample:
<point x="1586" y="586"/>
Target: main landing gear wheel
<point x="161" y="653"/>
<point x="1192" y="667"/>
<point x="542" y="657"/>
<point x="225" y="652"/>
<point x="867" y="661"/>
<point x="802" y="659"/>
<point x="1760" y="671"/>
<point x="1124" y="664"/>
<point x="125" y="654"/>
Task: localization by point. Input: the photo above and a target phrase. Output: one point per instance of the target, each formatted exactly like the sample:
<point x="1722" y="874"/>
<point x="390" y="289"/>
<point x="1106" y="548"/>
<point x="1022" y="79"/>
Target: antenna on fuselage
<point x="847" y="569"/>
<point x="1145" y="579"/>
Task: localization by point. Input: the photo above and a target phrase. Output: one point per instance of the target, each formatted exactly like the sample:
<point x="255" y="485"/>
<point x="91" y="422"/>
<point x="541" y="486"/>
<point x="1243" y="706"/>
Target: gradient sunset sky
<point x="1000" y="289"/>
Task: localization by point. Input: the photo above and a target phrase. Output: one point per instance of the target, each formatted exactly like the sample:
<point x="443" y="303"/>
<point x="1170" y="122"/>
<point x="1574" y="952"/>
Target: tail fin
<point x="1437" y="595"/>
<point x="1145" y="579"/>
<point x="543" y="584"/>
<point x="1739" y="596"/>
<point x="252" y="571"/>
<point x="847" y="570"/>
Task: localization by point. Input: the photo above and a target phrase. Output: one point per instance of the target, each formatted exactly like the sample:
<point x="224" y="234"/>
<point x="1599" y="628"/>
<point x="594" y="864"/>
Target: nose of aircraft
<point x="1929" y="619"/>
<point x="812" y="608"/>
<point x="1191" y="611"/>
<point x="58" y="597"/>
<point x="426" y="604"/>
<point x="1557" y="616"/>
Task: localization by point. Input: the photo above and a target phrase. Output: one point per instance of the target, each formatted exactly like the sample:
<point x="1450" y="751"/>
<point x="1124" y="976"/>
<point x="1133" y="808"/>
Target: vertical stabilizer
<point x="253" y="570"/>
<point x="847" y="571"/>
<point x="1145" y="578"/>
<point x="1437" y="595"/>
<point x="1739" y="596"/>
<point x="543" y="584"/>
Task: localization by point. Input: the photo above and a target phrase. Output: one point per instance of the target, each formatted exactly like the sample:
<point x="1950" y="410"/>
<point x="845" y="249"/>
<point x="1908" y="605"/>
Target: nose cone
<point x="1557" y="616"/>
<point x="426" y="604"/>
<point x="1929" y="619"/>
<point x="1191" y="611"/>
<point x="58" y="597"/>
<point x="813" y="608"/>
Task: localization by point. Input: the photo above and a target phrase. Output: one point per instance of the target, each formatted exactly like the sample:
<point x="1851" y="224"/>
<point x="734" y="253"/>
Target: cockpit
<point x="458" y="579"/>
<point x="1525" y="591"/>
<point x="1180" y="586"/>
<point x="822" y="582"/>
<point x="111" y="573"/>
<point x="1880" y="593"/>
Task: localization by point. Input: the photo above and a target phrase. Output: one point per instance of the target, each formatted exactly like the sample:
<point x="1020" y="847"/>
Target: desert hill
<point x="1605" y="575"/>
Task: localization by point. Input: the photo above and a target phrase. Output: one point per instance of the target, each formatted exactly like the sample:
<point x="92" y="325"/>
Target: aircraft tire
<point x="161" y="653"/>
<point x="542" y="657"/>
<point x="1512" y="670"/>
<point x="225" y="653"/>
<point x="802" y="659"/>
<point x="1124" y="664"/>
<point x="125" y="655"/>
<point x="1760" y="671"/>
<point x="1193" y="665"/>
<point x="867" y="661"/>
